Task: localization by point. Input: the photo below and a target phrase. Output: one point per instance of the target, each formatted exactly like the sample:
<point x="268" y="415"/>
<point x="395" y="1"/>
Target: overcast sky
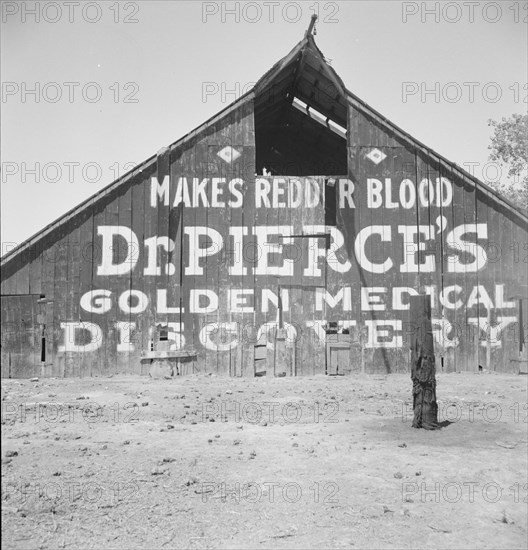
<point x="115" y="82"/>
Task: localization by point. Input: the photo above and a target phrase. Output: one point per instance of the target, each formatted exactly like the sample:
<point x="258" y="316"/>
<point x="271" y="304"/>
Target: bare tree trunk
<point x="423" y="365"/>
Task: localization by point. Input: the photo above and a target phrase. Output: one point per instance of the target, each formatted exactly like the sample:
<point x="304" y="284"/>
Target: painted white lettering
<point x="371" y="299"/>
<point x="96" y="301"/>
<point x="159" y="192"/>
<point x="269" y="297"/>
<point x="456" y="241"/>
<point x="442" y="329"/>
<point x="266" y="333"/>
<point x="141" y="299"/>
<point x="182" y="193"/>
<point x="388" y="195"/>
<point x="346" y="190"/>
<point x="426" y="192"/>
<point x="384" y="231"/>
<point x="479" y="296"/>
<point x="398" y="304"/>
<point x="493" y="333"/>
<point x="295" y="193"/>
<point x="344" y="295"/>
<point x="446" y="300"/>
<point x="444" y="192"/>
<point x="262" y="189"/>
<point x="235" y="187"/>
<point x="109" y="234"/>
<point x="412" y="249"/>
<point x="382" y="334"/>
<point x="318" y="250"/>
<point x="237" y="300"/>
<point x="196" y="253"/>
<point x="161" y="303"/>
<point x="152" y="245"/>
<point x="71" y="332"/>
<point x="200" y="192"/>
<point x="311" y="193"/>
<point x="217" y="192"/>
<point x="124" y="336"/>
<point x="238" y="268"/>
<point x="500" y="302"/>
<point x="374" y="190"/>
<point x="278" y="191"/>
<point x="263" y="233"/>
<point x="195" y="301"/>
<point x="407" y="194"/>
<point x="213" y="336"/>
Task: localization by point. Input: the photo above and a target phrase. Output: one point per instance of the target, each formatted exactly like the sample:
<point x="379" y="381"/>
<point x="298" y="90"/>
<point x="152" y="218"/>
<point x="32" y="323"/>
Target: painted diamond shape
<point x="229" y="154"/>
<point x="376" y="156"/>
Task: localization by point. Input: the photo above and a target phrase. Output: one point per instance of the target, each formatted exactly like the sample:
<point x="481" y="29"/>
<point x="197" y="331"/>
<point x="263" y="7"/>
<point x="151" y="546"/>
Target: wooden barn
<point x="283" y="237"/>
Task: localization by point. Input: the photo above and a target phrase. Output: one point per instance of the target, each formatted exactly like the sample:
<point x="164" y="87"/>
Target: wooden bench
<point x="167" y="364"/>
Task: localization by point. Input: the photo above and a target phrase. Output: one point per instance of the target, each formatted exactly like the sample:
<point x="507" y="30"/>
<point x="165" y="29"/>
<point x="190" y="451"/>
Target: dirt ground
<point x="206" y="462"/>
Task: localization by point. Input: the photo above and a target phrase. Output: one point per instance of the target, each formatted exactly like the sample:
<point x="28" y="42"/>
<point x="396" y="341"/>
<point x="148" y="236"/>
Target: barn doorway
<point x="24" y="345"/>
<point x="338" y="345"/>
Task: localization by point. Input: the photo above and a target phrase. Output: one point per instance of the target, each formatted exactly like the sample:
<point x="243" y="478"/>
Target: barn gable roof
<point x="305" y="72"/>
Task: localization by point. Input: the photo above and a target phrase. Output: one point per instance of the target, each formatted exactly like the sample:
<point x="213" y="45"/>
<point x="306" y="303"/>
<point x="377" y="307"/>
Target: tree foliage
<point x="509" y="148"/>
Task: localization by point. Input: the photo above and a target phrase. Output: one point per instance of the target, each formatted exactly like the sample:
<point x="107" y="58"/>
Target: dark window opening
<point x="290" y="143"/>
<point x="331" y="327"/>
<point x="163" y="335"/>
<point x="43" y="350"/>
<point x="301" y="121"/>
<point x="330" y="202"/>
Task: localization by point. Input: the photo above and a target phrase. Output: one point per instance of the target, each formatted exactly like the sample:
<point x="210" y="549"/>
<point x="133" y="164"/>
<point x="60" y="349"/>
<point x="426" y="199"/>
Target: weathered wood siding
<point x="105" y="332"/>
<point x="474" y="255"/>
<point x="194" y="242"/>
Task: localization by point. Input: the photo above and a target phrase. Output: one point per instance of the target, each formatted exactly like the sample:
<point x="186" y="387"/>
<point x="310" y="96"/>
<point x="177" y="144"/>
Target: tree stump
<point x="423" y="365"/>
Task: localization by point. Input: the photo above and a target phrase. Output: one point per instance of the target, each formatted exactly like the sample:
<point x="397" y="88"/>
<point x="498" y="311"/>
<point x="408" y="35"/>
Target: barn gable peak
<point x="301" y="114"/>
